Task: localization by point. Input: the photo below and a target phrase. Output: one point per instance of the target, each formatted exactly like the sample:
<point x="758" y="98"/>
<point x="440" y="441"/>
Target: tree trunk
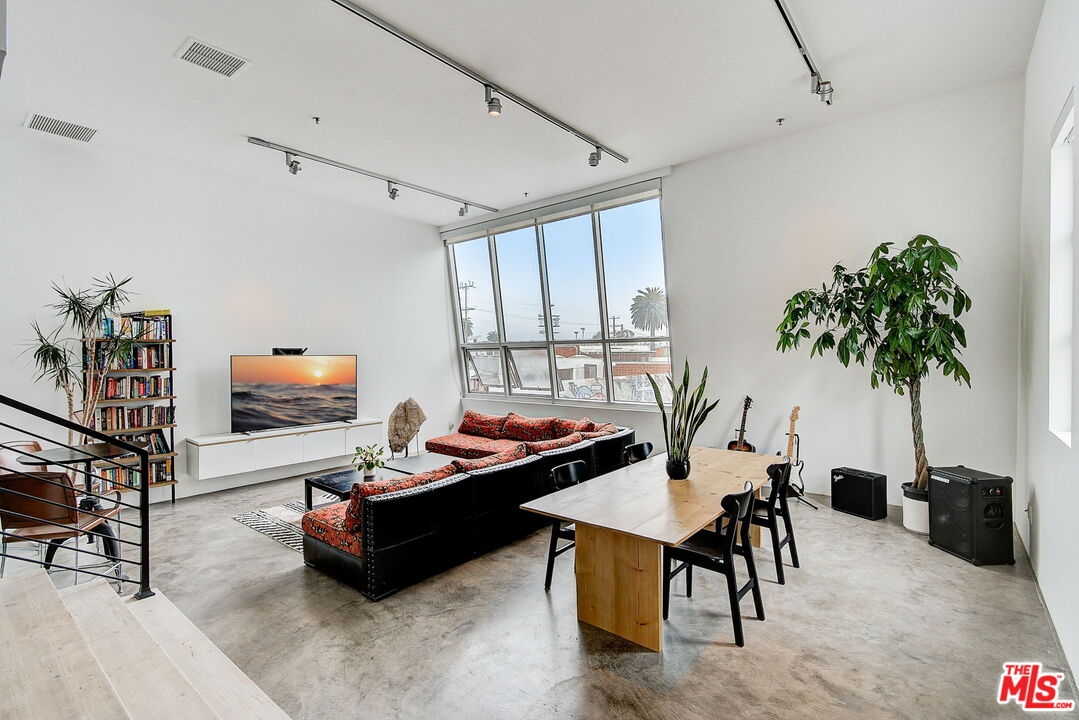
<point x="70" y="392"/>
<point x="921" y="465"/>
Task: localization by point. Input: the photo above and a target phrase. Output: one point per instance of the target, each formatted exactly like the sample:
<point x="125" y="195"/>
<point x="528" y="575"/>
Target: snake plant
<point x="689" y="410"/>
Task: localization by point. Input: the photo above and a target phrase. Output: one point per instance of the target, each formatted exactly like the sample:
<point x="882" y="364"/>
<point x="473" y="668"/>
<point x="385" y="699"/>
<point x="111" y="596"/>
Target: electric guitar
<point x="740" y="444"/>
<point x="794" y="451"/>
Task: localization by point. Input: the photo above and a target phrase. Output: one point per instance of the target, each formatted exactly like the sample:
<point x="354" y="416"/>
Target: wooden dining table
<point x="625" y="517"/>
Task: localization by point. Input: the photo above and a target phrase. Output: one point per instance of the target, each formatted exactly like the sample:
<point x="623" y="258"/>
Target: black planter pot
<point x="678" y="469"/>
<point x="914" y="494"/>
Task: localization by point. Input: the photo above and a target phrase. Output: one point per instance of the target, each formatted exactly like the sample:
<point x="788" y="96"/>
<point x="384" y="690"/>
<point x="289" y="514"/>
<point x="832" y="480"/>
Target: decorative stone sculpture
<point x="404" y="424"/>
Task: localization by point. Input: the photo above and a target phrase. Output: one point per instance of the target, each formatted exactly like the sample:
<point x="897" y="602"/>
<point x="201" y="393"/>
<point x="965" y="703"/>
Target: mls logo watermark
<point x="1031" y="689"/>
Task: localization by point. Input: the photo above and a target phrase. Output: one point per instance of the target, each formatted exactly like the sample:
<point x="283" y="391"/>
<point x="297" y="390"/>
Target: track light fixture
<point x="392" y="184"/>
<point x="463" y="211"/>
<point x="821" y="88"/>
<point x="292" y="163"/>
<point x="594" y="156"/>
<point x="494" y="105"/>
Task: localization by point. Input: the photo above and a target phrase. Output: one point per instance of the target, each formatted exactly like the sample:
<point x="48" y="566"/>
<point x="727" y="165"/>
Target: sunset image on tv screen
<point x="272" y="391"/>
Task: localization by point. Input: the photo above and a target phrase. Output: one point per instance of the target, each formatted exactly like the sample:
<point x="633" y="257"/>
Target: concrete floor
<point x="876" y="623"/>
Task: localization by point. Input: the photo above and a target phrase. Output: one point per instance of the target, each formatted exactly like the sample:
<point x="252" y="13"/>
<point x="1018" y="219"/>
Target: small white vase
<point x="370" y="473"/>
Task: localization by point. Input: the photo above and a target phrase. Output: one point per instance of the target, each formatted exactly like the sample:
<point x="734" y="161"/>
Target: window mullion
<point x="496" y="286"/>
<point x="601" y="286"/>
<point x="548" y="312"/>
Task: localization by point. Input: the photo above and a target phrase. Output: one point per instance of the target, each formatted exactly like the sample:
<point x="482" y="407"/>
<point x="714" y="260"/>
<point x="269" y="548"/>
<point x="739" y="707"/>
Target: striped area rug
<point x="281" y="522"/>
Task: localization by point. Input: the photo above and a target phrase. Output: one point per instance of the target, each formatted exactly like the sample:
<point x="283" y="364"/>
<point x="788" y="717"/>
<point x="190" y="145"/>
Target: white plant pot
<point x="916" y="515"/>
<point x="373" y="471"/>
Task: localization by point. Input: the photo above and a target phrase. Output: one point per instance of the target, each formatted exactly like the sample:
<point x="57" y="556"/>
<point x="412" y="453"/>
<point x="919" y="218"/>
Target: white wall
<point x="746" y="229"/>
<point x="243" y="267"/>
<point x="1047" y="467"/>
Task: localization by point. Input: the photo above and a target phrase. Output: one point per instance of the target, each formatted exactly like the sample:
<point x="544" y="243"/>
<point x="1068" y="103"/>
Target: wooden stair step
<point x="224" y="686"/>
<point x="150" y="686"/>
<point x="47" y="668"/>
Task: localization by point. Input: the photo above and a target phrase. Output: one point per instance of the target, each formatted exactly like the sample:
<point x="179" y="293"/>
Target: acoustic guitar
<point x="740" y="444"/>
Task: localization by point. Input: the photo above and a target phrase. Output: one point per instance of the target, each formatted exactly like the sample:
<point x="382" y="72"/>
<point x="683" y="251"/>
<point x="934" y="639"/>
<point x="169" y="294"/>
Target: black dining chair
<point x="767" y="513"/>
<point x="636" y="453"/>
<point x="562" y="477"/>
<point x="715" y="551"/>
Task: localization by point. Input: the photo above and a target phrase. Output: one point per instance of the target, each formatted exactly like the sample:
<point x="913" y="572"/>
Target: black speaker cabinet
<point x="860" y="493"/>
<point x="970" y="514"/>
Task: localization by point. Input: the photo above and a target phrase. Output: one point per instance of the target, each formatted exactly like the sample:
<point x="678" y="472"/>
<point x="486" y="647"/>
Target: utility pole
<point x="615" y="326"/>
<point x="464" y="287"/>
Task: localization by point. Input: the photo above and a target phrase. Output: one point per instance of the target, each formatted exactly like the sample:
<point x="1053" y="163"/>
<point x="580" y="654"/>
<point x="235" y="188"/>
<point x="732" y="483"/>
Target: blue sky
<point x="632" y="259"/>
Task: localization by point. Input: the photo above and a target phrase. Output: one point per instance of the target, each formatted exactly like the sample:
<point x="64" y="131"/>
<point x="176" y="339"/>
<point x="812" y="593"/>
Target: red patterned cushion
<point x="519" y="451"/>
<point x="519" y="427"/>
<point x="488" y="426"/>
<point x="601" y="430"/>
<point x="563" y="427"/>
<point x="468" y="446"/>
<point x="330" y="525"/>
<point x="541" y="445"/>
<point x="360" y="490"/>
<point x="585" y="425"/>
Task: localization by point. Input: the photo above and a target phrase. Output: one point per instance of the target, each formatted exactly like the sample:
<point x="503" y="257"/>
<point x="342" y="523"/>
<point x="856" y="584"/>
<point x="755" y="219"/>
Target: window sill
<point x="585" y="404"/>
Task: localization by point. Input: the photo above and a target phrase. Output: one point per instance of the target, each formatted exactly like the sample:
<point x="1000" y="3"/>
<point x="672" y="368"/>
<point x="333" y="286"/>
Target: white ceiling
<point x="662" y="82"/>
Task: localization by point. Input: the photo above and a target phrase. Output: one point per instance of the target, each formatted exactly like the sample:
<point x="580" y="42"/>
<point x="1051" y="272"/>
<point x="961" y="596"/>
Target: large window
<point x="1061" y="269"/>
<point x="570" y="307"/>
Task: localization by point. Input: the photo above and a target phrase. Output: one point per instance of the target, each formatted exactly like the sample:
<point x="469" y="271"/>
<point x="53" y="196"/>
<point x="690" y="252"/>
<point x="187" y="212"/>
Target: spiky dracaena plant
<point x="899" y="313"/>
<point x="58" y="354"/>
<point x="689" y="410"/>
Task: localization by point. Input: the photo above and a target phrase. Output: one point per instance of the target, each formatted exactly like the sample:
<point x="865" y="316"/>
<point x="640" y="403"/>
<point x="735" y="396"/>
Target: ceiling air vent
<point x="211" y="58"/>
<point x="47" y="124"/>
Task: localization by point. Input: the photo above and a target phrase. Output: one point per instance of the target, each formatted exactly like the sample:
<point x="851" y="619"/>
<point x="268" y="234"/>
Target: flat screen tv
<point x="276" y="391"/>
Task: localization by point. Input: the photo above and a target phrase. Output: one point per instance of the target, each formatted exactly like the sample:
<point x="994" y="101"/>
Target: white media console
<point x="213" y="456"/>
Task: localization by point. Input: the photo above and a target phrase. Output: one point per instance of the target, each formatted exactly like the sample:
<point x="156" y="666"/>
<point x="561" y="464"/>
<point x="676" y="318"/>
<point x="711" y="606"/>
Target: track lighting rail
<point x="393" y="183"/>
<point x="490" y="85"/>
<point x="817" y="84"/>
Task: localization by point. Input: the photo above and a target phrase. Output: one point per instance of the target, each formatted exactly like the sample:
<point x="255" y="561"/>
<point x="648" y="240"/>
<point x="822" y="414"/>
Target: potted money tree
<point x="900" y="316"/>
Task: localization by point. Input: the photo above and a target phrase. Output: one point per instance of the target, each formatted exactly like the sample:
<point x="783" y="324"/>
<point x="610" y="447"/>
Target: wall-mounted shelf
<point x="212" y="456"/>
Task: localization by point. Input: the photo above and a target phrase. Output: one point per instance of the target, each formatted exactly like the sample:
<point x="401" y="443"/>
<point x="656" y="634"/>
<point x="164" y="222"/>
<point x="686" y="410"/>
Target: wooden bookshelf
<point x="162" y="469"/>
<point x="133" y="460"/>
<point x="145" y="371"/>
<point x="148" y="399"/>
<point x="137" y="430"/>
<point x="140" y="341"/>
<point x="164" y="483"/>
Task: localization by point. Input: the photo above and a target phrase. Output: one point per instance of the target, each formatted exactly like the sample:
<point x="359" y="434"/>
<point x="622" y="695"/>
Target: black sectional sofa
<point x="411" y="534"/>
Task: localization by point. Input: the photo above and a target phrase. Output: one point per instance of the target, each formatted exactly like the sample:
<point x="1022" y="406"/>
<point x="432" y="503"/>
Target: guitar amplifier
<point x="970" y="514"/>
<point x="860" y="493"/>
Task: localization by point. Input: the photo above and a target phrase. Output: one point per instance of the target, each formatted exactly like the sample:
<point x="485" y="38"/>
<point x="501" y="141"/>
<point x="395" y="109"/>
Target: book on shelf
<point x="142" y="357"/>
<point x="111" y="478"/>
<point x="158" y="443"/>
<point x="122" y="418"/>
<point x="141" y="326"/>
<point x="135" y="386"/>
